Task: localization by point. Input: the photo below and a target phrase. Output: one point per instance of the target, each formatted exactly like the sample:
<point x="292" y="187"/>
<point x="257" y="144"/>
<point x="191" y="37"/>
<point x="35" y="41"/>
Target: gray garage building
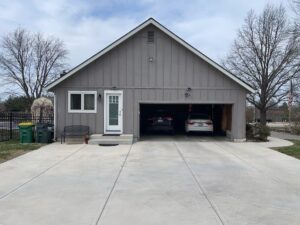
<point x="149" y="67"/>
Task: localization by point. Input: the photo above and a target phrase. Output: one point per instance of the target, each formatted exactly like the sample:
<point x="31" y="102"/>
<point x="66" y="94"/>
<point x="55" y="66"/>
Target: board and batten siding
<point x="164" y="80"/>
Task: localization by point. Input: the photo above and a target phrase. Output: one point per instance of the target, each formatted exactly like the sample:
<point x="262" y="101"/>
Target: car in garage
<point x="197" y="122"/>
<point x="161" y="121"/>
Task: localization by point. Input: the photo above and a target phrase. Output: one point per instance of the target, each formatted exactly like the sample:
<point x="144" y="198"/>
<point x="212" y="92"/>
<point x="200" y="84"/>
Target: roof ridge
<point x="132" y="32"/>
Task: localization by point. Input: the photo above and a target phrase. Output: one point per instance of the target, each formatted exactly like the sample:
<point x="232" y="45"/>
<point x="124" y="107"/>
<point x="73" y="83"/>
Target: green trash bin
<point x="25" y="132"/>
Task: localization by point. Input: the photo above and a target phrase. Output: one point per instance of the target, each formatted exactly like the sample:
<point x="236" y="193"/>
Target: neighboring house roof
<point x="167" y="32"/>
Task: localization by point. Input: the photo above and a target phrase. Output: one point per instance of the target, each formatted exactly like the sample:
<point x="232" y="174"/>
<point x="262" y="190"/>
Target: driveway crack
<point x="251" y="165"/>
<point x="39" y="174"/>
<point x="200" y="187"/>
<point x="113" y="187"/>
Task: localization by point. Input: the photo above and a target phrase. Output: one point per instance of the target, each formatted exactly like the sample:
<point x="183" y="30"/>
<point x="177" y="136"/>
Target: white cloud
<point x="209" y="26"/>
<point x="83" y="34"/>
<point x="88" y="26"/>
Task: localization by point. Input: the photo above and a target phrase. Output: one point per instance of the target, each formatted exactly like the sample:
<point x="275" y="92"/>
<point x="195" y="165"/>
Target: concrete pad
<point x="278" y="166"/>
<point x="275" y="142"/>
<point x="245" y="193"/>
<point x="20" y="170"/>
<point x="155" y="187"/>
<point x="151" y="183"/>
<point x="284" y="135"/>
<point x="183" y="138"/>
<point x="72" y="192"/>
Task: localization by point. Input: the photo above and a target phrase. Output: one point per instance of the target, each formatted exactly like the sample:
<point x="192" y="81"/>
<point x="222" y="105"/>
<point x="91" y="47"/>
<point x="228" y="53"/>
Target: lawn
<point x="12" y="149"/>
<point x="293" y="150"/>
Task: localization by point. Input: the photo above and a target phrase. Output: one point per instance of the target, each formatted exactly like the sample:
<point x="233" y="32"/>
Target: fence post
<point x="10" y="125"/>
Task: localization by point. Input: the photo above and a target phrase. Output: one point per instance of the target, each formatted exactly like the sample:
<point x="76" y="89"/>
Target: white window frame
<point x="82" y="110"/>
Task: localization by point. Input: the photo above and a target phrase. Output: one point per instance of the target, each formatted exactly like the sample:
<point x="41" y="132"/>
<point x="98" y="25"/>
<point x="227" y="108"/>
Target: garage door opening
<point x="170" y="119"/>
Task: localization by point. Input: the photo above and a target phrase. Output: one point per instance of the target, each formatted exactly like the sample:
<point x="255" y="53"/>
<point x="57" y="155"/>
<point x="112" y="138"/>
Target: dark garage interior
<point x="220" y="115"/>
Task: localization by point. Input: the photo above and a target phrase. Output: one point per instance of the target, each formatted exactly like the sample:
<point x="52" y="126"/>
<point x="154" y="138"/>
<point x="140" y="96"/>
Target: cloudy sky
<point x="87" y="26"/>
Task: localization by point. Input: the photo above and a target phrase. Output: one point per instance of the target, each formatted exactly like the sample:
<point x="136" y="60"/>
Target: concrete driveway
<point x="151" y="183"/>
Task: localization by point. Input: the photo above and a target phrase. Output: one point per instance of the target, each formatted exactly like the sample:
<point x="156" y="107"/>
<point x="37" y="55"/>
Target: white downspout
<point x="54" y="136"/>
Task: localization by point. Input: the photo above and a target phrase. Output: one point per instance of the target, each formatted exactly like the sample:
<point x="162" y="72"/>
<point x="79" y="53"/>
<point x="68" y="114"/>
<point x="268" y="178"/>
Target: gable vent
<point x="151" y="36"/>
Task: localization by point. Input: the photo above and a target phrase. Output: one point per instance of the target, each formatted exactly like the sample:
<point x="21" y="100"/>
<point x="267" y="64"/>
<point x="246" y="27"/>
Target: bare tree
<point x="295" y="6"/>
<point x="265" y="55"/>
<point x="31" y="61"/>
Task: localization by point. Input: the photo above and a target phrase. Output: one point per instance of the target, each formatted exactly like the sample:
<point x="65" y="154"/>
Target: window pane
<point x="113" y="110"/>
<point x="76" y="101"/>
<point x="89" y="101"/>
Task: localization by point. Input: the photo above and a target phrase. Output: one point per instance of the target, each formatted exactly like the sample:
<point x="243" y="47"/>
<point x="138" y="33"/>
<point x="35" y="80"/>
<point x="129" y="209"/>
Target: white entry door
<point x="113" y="112"/>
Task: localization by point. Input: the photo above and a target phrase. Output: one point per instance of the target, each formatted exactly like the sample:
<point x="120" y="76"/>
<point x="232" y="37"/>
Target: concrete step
<point x="123" y="139"/>
<point x="101" y="136"/>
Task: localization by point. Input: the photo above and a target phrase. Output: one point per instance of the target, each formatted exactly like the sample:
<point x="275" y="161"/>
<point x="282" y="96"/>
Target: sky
<point x="87" y="26"/>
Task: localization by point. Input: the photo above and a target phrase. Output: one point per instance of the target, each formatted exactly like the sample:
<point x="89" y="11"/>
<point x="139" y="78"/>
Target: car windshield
<point x="162" y="113"/>
<point x="199" y="116"/>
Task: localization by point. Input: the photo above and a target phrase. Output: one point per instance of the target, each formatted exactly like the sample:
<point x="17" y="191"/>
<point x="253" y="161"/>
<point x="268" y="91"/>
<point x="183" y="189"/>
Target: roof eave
<point x="134" y="31"/>
<point x="99" y="54"/>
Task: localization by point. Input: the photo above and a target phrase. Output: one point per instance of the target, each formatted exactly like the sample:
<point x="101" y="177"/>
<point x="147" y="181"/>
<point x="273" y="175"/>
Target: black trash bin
<point x="51" y="132"/>
<point x="43" y="134"/>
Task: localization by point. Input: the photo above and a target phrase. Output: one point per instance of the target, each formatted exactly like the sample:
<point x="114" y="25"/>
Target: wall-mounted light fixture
<point x="188" y="92"/>
<point x="151" y="59"/>
<point x="100" y="96"/>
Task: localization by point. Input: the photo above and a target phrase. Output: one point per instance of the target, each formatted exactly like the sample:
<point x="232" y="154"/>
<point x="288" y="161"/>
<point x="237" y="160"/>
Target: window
<point x="89" y="102"/>
<point x="82" y="101"/>
<point x="75" y="102"/>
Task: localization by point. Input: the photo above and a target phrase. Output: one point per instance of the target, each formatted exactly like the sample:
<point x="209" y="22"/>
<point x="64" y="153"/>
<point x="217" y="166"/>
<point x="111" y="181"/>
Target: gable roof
<point x="167" y="32"/>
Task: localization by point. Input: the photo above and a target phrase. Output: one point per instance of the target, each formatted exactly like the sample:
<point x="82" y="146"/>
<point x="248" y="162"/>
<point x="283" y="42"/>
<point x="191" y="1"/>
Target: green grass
<point x="293" y="150"/>
<point x="12" y="149"/>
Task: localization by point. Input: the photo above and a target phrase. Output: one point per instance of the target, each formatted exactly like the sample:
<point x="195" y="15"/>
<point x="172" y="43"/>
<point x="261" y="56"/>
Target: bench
<point x="74" y="131"/>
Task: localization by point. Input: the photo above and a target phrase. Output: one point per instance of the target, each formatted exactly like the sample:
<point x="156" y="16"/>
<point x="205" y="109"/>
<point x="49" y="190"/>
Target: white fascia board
<point x="202" y="56"/>
<point x="99" y="54"/>
<point x="167" y="32"/>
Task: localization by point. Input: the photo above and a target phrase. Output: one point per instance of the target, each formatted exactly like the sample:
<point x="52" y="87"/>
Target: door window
<point x="113" y="110"/>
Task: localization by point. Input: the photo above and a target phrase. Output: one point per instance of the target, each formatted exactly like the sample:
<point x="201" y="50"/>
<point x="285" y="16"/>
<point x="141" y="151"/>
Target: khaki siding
<point x="127" y="67"/>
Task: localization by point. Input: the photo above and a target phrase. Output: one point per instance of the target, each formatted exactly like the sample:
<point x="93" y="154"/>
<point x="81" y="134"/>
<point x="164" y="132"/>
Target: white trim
<point x="166" y="31"/>
<point x="54" y="109"/>
<point x="120" y="92"/>
<point x="82" y="110"/>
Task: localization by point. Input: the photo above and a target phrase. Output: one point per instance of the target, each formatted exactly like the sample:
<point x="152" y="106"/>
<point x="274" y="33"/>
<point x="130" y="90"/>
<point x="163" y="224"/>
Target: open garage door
<point x="171" y="118"/>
